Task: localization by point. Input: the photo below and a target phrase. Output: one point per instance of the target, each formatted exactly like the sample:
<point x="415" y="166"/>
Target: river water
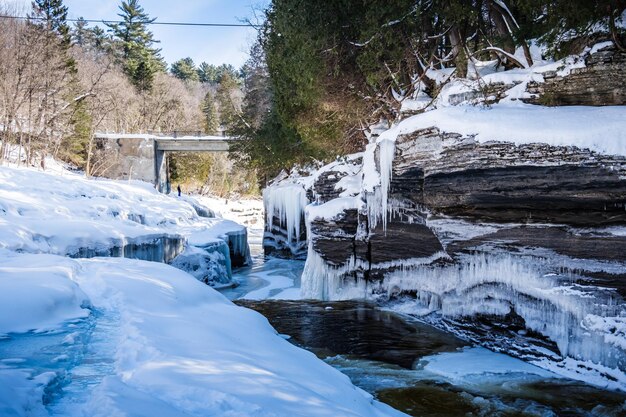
<point x="408" y="364"/>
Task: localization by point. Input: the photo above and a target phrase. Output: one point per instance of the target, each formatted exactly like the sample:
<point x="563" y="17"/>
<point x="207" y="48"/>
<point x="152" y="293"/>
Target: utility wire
<point x="247" y="25"/>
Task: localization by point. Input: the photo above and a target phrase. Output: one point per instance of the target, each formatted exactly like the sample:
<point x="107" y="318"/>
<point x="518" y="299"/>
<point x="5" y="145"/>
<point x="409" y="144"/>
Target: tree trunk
<point x="458" y="52"/>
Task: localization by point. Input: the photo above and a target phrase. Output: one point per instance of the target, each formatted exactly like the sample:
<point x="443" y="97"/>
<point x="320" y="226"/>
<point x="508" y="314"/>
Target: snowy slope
<point x="181" y="348"/>
<point x="61" y="213"/>
<point x="126" y="337"/>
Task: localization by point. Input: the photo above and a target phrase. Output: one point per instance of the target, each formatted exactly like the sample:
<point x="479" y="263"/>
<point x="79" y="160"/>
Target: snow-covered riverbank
<point x="174" y="345"/>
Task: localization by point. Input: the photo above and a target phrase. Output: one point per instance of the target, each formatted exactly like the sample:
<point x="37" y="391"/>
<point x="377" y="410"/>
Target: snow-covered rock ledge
<point x="505" y="213"/>
<point x="62" y="213"/>
<point x="178" y="347"/>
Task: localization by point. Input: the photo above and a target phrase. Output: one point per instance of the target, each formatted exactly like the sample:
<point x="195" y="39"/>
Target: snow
<point x="159" y="137"/>
<point x="183" y="349"/>
<point x="332" y="208"/>
<point x="599" y="46"/>
<point x="63" y="213"/>
<point x="38" y="298"/>
<point x="586" y="323"/>
<point x="51" y="213"/>
<point x="478" y="364"/>
<point x="614" y="328"/>
<point x="130" y="337"/>
<point x="600" y="129"/>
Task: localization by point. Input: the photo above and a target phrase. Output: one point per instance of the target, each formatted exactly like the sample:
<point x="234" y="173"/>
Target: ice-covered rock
<point x="63" y="213"/>
<point x="545" y="273"/>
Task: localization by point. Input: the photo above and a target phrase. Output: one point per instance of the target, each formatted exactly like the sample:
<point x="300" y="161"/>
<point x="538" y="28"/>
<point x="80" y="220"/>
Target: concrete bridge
<point x="144" y="156"/>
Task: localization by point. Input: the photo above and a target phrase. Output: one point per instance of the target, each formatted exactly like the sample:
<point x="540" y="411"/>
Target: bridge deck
<point x="178" y="144"/>
<point x="193" y="144"/>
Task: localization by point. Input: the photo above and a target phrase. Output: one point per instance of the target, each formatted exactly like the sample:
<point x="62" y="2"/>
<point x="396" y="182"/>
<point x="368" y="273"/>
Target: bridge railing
<point x="183" y="133"/>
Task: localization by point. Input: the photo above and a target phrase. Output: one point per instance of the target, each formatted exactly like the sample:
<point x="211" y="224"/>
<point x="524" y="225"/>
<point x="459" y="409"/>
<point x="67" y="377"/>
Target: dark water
<point x="381" y="351"/>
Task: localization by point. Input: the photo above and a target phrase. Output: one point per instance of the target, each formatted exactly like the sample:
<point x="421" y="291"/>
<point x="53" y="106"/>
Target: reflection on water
<point x="385" y="354"/>
<point x="355" y="328"/>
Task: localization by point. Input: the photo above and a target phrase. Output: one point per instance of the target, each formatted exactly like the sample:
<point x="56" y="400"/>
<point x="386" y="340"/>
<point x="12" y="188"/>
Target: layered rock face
<point x="599" y="83"/>
<point x="504" y="182"/>
<point x="518" y="245"/>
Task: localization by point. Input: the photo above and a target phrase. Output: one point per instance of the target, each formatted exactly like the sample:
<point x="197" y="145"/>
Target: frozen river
<point x="416" y="368"/>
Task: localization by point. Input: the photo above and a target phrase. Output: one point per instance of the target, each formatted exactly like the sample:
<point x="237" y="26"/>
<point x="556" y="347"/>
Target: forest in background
<point x="318" y="75"/>
<point x="61" y="82"/>
<point x="326" y="71"/>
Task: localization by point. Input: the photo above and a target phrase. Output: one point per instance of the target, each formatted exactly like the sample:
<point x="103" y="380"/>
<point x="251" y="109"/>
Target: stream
<point x="408" y="364"/>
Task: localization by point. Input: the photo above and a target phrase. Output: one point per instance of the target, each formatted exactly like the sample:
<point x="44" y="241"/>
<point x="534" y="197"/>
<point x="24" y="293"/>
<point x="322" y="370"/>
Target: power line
<point x="248" y="25"/>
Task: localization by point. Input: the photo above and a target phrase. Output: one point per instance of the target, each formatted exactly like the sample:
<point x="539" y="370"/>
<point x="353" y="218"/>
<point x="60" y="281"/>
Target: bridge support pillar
<point x="162" y="174"/>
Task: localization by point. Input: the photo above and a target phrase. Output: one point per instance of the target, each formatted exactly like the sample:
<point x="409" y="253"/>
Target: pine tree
<point x="185" y="69"/>
<point x="211" y="124"/>
<point x="93" y="39"/>
<point x="207" y="73"/>
<point x="227" y="106"/>
<point x="100" y="40"/>
<point x="143" y="74"/>
<point x="54" y="16"/>
<point x="140" y="60"/>
<point x="80" y="34"/>
<point x="74" y="145"/>
<point x="226" y="71"/>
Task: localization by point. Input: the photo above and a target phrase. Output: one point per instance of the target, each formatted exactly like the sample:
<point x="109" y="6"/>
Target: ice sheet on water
<point x="477" y="364"/>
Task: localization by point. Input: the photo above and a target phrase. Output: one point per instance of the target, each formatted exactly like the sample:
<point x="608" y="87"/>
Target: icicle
<point x="287" y="203"/>
<point x="387" y="150"/>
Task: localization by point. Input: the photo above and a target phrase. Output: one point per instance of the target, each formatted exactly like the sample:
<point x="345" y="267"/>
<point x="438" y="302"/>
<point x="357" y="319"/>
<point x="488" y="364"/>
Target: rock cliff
<point x="517" y="243"/>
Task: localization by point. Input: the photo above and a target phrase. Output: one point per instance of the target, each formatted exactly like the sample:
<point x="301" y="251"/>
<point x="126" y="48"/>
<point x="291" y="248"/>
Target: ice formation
<point x="63" y="213"/>
<point x="387" y="150"/>
<point x="286" y="202"/>
<point x="586" y="323"/>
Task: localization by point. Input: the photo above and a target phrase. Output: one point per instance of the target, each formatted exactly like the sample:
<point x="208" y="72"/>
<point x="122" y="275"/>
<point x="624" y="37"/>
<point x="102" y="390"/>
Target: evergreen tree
<point x="226" y="71"/>
<point x="211" y="123"/>
<point x="225" y="100"/>
<point x="207" y="73"/>
<point x="143" y="74"/>
<point x="90" y="38"/>
<point x="140" y="60"/>
<point x="54" y="15"/>
<point x="75" y="144"/>
<point x="81" y="34"/>
<point x="185" y="69"/>
<point x="99" y="39"/>
<point x="258" y="100"/>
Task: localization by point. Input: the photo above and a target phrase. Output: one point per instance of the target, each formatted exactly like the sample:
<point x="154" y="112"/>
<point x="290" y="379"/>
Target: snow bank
<point x="63" y="213"/>
<point x="600" y="129"/>
<point x="39" y="295"/>
<point x="42" y="212"/>
<point x="184" y="349"/>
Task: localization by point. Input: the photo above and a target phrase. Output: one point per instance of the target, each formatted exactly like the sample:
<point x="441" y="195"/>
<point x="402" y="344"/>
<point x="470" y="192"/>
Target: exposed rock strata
<point x="602" y="82"/>
<point x="501" y="181"/>
<point x="524" y="249"/>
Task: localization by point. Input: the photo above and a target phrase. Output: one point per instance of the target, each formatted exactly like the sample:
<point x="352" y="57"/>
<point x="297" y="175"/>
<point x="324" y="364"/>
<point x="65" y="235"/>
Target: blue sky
<point x="214" y="45"/>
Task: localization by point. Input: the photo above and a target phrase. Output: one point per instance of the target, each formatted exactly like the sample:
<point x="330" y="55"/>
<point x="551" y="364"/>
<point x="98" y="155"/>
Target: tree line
<point x="60" y="83"/>
<point x="325" y="70"/>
